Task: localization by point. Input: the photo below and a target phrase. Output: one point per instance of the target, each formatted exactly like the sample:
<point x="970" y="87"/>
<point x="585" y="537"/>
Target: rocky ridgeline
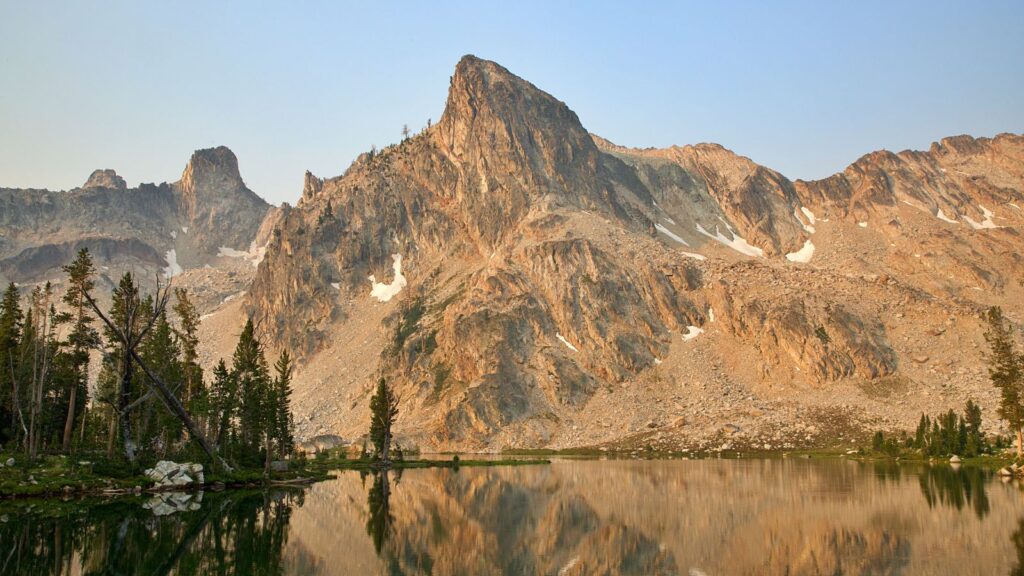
<point x="152" y="229"/>
<point x="537" y="276"/>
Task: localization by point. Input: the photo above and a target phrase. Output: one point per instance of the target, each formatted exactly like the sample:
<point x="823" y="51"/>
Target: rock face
<point x="532" y="284"/>
<point x="164" y="228"/>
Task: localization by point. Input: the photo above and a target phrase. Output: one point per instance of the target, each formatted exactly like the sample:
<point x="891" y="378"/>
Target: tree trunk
<point x="69" y="423"/>
<point x="111" y="434"/>
<point x="266" y="463"/>
<point x="1020" y="443"/>
<point x="81" y="426"/>
<point x="123" y="401"/>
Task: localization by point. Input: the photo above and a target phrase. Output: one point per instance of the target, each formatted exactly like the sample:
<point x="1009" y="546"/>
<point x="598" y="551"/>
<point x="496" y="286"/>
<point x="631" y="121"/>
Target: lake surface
<point x="574" y="517"/>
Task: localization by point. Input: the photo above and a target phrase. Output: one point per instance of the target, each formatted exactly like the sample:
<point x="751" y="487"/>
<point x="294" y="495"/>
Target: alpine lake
<point x="574" y="516"/>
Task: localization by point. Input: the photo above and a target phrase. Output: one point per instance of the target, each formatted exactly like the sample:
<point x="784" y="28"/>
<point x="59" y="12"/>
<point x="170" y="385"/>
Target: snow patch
<point x="694" y="255"/>
<point x="987" y="223"/>
<point x="173" y="268"/>
<point x="808" y="213"/>
<point x="566" y="342"/>
<point x="670" y="234"/>
<point x="1017" y="207"/>
<point x="336" y="285"/>
<point x="692" y="332"/>
<point x="809" y="225"/>
<point x="669" y="220"/>
<point x="657" y="361"/>
<point x="174" y="234"/>
<point x="184" y="229"/>
<point x="942" y="216"/>
<point x="254" y="255"/>
<point x="711" y="314"/>
<point x="385" y="292"/>
<point x="862" y="224"/>
<point x="231" y="252"/>
<point x="737" y="243"/>
<point x="802" y="255"/>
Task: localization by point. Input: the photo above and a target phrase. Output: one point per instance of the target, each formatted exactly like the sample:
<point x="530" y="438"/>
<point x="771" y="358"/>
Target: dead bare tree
<point x="130" y="340"/>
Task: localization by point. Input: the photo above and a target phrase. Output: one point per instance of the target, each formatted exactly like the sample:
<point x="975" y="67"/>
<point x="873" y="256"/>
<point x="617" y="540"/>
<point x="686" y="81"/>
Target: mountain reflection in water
<point x="709" y="517"/>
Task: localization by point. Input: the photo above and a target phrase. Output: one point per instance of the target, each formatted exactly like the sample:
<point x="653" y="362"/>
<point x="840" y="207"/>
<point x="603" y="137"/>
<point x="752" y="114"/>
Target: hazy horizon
<point x="799" y="87"/>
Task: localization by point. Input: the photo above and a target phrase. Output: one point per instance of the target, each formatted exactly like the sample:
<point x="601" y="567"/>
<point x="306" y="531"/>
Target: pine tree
<point x="223" y="404"/>
<point x="81" y="339"/>
<point x="124" y="301"/>
<point x="383" y="411"/>
<point x="975" y="443"/>
<point x="921" y="435"/>
<point x="1006" y="370"/>
<point x="10" y="337"/>
<point x="188" y="340"/>
<point x="158" y="428"/>
<point x="39" y="346"/>
<point x="250" y="369"/>
<point x="282" y="400"/>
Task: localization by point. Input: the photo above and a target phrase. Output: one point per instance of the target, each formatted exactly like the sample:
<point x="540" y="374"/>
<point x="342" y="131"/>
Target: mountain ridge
<point x="546" y="276"/>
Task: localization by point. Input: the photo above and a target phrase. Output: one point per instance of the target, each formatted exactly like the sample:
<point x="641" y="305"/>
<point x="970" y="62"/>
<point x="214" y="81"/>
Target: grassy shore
<point x="62" y="476"/>
<point x="992" y="461"/>
<point x="59" y="476"/>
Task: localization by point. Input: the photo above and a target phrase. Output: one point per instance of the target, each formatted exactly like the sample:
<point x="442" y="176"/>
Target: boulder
<point x="279" y="466"/>
<point x="9" y="463"/>
<point x="1004" y="471"/>
<point x="167" y="473"/>
<point x="954" y="460"/>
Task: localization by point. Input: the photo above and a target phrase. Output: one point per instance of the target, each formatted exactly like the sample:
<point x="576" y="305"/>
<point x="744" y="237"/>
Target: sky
<point x="803" y="87"/>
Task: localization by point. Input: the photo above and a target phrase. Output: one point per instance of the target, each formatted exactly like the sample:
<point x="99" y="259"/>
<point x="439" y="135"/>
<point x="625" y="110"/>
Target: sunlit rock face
<point x="559" y="290"/>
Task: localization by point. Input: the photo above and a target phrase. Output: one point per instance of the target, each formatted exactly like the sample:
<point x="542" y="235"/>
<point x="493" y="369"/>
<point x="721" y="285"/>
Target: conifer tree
<point x="383" y="411"/>
<point x="249" y="366"/>
<point x="975" y="442"/>
<point x="1006" y="370"/>
<point x="82" y="337"/>
<point x="921" y="434"/>
<point x="10" y="338"/>
<point x="223" y="404"/>
<point x="158" y="428"/>
<point x="282" y="404"/>
<point x="188" y="340"/>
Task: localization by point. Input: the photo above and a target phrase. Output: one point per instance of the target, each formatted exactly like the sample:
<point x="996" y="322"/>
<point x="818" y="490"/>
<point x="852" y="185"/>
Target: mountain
<point x="206" y="216"/>
<point x="525" y="283"/>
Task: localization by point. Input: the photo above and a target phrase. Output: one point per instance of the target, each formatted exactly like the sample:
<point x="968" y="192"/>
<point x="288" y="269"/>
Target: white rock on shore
<point x="167" y="473"/>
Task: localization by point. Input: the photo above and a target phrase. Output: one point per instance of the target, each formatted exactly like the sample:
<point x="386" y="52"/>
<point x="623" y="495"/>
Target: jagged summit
<point x="490" y="106"/>
<point x="105" y="179"/>
<point x="211" y="166"/>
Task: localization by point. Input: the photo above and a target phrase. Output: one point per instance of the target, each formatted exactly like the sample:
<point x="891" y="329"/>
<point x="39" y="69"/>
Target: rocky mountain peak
<point x="487" y="102"/>
<point x="105" y="179"/>
<point x="213" y="167"/>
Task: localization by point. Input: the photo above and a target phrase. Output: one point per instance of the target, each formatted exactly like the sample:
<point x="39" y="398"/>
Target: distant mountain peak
<point x="106" y="178"/>
<point x="213" y="166"/>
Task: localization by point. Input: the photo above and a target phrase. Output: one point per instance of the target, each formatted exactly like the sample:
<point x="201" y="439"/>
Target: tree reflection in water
<point x="952" y="487"/>
<point x="236" y="534"/>
<point x="380" y="522"/>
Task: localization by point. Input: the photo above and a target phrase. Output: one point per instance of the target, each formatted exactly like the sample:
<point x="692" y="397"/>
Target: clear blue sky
<point x="803" y="87"/>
